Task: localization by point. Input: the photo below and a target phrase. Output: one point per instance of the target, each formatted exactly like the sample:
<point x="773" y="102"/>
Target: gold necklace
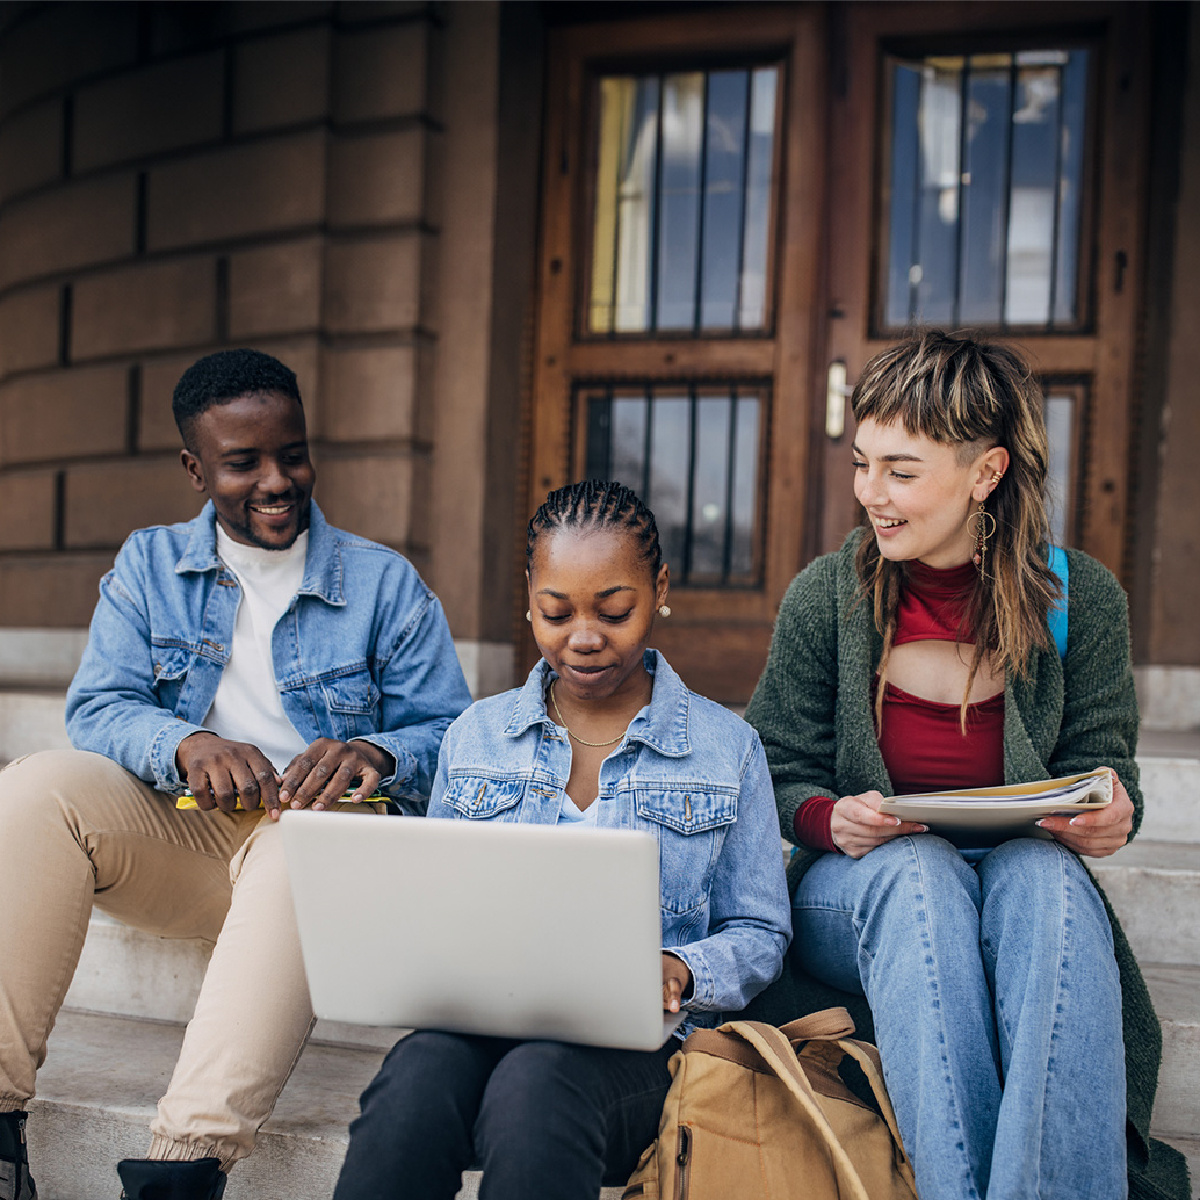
<point x="575" y="735"/>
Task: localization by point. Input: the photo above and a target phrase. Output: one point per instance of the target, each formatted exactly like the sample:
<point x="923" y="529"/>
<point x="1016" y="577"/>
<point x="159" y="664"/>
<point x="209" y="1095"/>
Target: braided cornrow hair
<point x="597" y="504"/>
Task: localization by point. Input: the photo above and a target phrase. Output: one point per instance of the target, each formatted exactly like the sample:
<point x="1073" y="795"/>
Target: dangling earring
<point x="664" y="610"/>
<point x="985" y="527"/>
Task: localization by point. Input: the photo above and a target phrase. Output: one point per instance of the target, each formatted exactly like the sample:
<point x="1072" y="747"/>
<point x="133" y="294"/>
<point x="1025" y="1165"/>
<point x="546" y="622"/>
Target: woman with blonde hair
<point x="922" y="656"/>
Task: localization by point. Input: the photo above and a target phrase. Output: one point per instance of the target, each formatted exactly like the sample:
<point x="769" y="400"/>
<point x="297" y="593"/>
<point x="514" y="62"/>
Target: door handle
<point x="836" y="392"/>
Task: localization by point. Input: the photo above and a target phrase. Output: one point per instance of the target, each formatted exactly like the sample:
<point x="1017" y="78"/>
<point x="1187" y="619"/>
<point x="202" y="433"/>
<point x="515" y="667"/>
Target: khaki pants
<point x="76" y="828"/>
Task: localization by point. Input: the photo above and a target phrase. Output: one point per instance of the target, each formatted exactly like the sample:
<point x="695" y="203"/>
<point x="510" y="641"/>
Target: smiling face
<point x="920" y="493"/>
<point x="592" y="600"/>
<point x="251" y="456"/>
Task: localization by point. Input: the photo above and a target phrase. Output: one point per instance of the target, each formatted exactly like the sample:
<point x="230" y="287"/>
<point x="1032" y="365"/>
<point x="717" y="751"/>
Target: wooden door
<point x="679" y="278"/>
<point x="1001" y="150"/>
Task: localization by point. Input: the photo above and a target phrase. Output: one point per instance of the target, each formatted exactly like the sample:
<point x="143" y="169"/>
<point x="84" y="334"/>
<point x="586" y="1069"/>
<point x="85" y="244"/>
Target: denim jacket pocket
<point x="171" y="664"/>
<point x="690" y="824"/>
<point x="480" y="798"/>
<point x="352" y="700"/>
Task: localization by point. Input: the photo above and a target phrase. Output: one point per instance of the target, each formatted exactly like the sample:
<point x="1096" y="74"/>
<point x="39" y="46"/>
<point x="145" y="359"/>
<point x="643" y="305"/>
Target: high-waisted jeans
<point x="997" y="1008"/>
<point x="544" y="1119"/>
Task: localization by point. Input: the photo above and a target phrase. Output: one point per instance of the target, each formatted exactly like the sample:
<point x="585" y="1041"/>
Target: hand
<point x="1098" y="832"/>
<point x="857" y="826"/>
<point x="220" y="772"/>
<point x="325" y="772"/>
<point x="677" y="982"/>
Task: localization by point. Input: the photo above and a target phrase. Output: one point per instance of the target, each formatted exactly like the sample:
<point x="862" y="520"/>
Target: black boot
<point x="148" y="1179"/>
<point x="15" y="1181"/>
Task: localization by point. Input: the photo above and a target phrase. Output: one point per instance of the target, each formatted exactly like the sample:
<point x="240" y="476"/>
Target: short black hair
<point x="597" y="504"/>
<point x="224" y="376"/>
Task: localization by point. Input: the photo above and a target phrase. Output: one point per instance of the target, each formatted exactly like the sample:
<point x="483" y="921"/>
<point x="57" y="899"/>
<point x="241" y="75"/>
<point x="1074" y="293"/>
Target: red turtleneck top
<point x="922" y="743"/>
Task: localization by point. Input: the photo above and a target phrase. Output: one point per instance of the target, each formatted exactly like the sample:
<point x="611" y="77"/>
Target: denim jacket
<point x="687" y="770"/>
<point x="363" y="651"/>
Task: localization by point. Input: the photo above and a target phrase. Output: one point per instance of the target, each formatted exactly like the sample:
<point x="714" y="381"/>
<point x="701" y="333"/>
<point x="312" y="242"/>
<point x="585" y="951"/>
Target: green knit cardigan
<point x="812" y="710"/>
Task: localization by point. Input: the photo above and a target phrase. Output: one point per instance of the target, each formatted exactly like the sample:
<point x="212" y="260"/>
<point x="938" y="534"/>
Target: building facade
<point x="507" y="244"/>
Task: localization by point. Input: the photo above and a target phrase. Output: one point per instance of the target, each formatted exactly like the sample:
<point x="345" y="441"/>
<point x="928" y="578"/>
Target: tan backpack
<point x="759" y="1113"/>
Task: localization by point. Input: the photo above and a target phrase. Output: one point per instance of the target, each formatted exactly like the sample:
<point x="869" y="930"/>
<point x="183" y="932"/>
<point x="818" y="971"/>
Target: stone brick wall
<point x="176" y="178"/>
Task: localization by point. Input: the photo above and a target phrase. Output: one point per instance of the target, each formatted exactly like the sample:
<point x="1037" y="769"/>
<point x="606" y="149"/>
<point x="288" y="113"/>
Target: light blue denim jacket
<point x="687" y="770"/>
<point x="362" y="651"/>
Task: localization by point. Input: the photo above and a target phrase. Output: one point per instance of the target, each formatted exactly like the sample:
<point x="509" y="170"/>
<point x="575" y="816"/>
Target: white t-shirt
<point x="247" y="707"/>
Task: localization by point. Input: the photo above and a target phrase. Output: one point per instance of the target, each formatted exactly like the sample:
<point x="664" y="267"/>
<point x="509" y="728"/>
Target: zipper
<point x="683" y="1162"/>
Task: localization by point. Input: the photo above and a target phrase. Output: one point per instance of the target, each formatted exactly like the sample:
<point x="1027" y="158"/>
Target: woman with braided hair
<point x="603" y="734"/>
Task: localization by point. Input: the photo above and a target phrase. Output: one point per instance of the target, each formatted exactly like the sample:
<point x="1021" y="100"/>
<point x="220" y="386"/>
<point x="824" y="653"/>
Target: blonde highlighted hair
<point x="972" y="395"/>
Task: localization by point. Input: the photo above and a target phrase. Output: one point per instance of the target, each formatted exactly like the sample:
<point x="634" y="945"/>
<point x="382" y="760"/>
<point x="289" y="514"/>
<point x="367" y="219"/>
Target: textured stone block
<point x="31" y="148"/>
<point x="373" y="285"/>
<point x="51" y="591"/>
<point x="371" y="495"/>
<point x="156" y="424"/>
<point x="238" y="192"/>
<point x="62" y="42"/>
<point x="147" y="307"/>
<point x="282" y="80"/>
<point x="163" y="107"/>
<point x="377" y="179"/>
<point x="27" y="504"/>
<point x="105" y="502"/>
<point x="275" y="289"/>
<point x="368" y="393"/>
<point x="74" y="226"/>
<point x="381" y="73"/>
<point x="63" y="415"/>
<point x="29" y="322"/>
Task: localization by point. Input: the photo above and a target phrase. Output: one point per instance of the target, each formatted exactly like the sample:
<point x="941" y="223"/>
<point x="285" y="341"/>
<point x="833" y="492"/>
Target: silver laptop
<point x="510" y="930"/>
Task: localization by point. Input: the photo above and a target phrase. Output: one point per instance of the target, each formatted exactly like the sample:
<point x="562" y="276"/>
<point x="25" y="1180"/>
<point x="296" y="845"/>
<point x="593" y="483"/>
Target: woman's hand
<point x="857" y="826"/>
<point x="1099" y="832"/>
<point x="677" y="982"/>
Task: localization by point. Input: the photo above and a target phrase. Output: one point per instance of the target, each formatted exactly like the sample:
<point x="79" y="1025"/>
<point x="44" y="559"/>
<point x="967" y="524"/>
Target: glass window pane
<point x="710" y="490"/>
<point x="724" y="168"/>
<point x="760" y="186"/>
<point x="599" y="425"/>
<point x="615" y="102"/>
<point x="679" y="220"/>
<point x="937" y="229"/>
<point x="628" y="454"/>
<point x="745" y="488"/>
<point x="1060" y="431"/>
<point x="906" y="148"/>
<point x="670" y="455"/>
<point x="1031" y="221"/>
<point x="1074" y="110"/>
<point x="636" y="208"/>
<point x="986" y="188"/>
<point x="985" y="185"/>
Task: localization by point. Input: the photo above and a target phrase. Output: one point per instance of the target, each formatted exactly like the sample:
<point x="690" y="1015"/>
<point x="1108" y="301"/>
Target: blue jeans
<point x="997" y="1010"/>
<point x="543" y="1119"/>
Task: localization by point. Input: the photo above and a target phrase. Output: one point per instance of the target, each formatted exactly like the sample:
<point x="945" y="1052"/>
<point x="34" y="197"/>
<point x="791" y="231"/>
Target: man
<point x="258" y="659"/>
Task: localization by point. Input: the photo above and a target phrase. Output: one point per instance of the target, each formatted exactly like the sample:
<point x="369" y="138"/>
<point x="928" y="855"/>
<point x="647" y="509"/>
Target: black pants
<point x="543" y="1119"/>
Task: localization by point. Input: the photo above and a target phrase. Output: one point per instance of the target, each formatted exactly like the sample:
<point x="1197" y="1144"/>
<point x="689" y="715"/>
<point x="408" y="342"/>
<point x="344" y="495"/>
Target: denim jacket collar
<point x="322" y="566"/>
<point x="662" y="724"/>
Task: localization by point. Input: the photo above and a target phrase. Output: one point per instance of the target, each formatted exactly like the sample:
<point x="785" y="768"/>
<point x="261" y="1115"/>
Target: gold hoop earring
<point x="985" y="528"/>
<point x="529" y="616"/>
<point x="664" y="610"/>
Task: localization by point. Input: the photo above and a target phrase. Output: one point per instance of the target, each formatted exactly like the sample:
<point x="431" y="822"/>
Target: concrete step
<point x="1176" y="994"/>
<point x="102" y="1079"/>
<point x="1171" y="788"/>
<point x="31" y="719"/>
<point x="1154" y="886"/>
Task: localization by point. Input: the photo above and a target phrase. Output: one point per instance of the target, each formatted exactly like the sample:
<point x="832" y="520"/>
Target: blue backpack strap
<point x="1057" y="616"/>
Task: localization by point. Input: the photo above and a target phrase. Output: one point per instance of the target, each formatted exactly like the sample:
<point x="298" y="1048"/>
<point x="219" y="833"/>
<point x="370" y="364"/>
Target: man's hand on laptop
<point x="219" y="773"/>
<point x="677" y="982"/>
<point x="329" y="769"/>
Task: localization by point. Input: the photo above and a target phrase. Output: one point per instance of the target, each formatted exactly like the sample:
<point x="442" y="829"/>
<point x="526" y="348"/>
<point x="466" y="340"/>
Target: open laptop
<point x="510" y="930"/>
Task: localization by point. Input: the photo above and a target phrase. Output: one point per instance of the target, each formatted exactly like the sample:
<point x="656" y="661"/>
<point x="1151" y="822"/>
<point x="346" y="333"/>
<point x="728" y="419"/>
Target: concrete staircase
<point x="115" y="1044"/>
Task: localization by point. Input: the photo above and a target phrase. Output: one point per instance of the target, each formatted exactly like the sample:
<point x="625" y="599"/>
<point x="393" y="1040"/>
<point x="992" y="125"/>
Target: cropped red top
<point x="922" y="743"/>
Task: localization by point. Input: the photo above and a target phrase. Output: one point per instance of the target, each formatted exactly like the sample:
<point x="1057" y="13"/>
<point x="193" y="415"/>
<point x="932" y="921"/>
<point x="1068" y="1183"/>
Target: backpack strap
<point x="777" y="1053"/>
<point x="1056" y="560"/>
<point x="867" y="1057"/>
